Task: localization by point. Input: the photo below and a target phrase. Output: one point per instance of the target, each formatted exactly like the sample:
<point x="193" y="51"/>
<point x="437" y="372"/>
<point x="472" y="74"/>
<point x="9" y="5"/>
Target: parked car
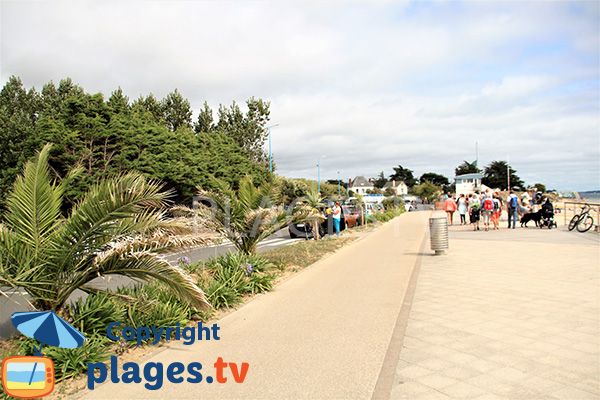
<point x="409" y="205"/>
<point x="350" y="217"/>
<point x="305" y="229"/>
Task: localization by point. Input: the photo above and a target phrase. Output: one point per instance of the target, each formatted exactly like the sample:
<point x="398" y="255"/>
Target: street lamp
<point x="319" y="176"/>
<point x="270" y="157"/>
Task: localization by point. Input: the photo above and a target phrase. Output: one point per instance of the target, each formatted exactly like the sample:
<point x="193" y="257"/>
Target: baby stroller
<point x="547" y="215"/>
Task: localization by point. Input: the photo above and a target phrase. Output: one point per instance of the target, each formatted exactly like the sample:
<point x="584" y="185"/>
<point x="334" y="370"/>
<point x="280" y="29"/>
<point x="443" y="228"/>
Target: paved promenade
<point x="508" y="314"/>
<point x="322" y="334"/>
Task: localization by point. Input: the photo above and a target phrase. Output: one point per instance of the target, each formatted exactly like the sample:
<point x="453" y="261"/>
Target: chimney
<point x="369" y="180"/>
<point x="349" y="183"/>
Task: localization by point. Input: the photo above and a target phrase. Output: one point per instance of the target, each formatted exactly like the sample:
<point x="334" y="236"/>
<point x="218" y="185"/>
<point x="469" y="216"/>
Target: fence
<point x="571" y="209"/>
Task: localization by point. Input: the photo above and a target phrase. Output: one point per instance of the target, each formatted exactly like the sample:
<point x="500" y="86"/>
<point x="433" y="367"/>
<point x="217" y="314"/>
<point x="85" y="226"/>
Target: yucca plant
<point x="245" y="217"/>
<point x="118" y="228"/>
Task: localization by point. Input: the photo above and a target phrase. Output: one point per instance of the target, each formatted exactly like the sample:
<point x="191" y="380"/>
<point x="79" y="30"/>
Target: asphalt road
<point x="17" y="303"/>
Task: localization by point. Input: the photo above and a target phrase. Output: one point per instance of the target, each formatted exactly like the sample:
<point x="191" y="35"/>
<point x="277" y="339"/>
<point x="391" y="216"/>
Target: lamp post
<point x="271" y="158"/>
<point x="339" y="188"/>
<point x="319" y="176"/>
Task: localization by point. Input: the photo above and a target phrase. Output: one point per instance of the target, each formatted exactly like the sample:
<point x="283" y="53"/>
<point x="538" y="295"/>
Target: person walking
<point x="462" y="208"/>
<point x="337" y="214"/>
<point x="512" y="203"/>
<point x="450" y="207"/>
<point x="474" y="211"/>
<point x="497" y="210"/>
<point x="486" y="211"/>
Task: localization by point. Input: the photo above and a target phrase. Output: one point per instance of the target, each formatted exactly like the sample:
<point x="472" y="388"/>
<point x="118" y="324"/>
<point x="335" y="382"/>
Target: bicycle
<point x="584" y="221"/>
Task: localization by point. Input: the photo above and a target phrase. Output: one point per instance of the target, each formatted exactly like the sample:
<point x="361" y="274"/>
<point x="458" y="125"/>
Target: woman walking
<point x="450" y="207"/>
<point x="462" y="209"/>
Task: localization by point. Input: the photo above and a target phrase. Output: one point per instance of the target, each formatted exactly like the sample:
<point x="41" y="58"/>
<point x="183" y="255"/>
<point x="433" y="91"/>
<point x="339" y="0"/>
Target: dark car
<point x="305" y="229"/>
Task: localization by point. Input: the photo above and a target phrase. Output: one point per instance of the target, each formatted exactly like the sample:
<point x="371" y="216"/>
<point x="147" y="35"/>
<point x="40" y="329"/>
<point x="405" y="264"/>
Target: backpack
<point x="488" y="205"/>
<point x="513" y="201"/>
<point x="475" y="206"/>
<point x="496" y="204"/>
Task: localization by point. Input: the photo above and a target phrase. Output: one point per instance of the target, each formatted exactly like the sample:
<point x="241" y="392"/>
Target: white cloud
<point x="370" y="85"/>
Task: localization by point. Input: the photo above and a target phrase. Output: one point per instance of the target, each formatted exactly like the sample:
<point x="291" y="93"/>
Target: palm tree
<point x="117" y="229"/>
<point x="245" y="217"/>
<point x="307" y="211"/>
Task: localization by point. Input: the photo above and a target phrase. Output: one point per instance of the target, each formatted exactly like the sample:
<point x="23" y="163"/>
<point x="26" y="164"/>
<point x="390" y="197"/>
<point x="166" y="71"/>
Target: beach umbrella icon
<point x="47" y="328"/>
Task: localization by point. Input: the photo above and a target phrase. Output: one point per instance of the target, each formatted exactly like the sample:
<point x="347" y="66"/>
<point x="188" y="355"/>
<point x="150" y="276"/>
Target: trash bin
<point x="438" y="234"/>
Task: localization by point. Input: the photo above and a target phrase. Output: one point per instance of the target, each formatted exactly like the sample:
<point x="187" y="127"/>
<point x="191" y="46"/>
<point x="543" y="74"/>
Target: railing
<point x="572" y="208"/>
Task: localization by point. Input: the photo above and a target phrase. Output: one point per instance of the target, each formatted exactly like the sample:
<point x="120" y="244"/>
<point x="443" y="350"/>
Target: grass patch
<point x="305" y="253"/>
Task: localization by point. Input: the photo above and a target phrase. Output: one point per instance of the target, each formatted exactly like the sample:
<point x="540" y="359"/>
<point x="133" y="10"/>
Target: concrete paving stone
<point x="508" y="374"/>
<point x="489" y="396"/>
<point x="411" y="372"/>
<point x="414" y="356"/>
<point x="409" y="390"/>
<point x="463" y="390"/>
<point x="460" y="372"/>
<point x="570" y="353"/>
<point x="542" y="385"/>
<point x="461" y="358"/>
<point x="504" y="358"/>
<point x="433" y="395"/>
<point x="530" y="365"/>
<point x="571" y="392"/>
<point x="488" y="382"/>
<point x="436" y="381"/>
<point x="583" y="369"/>
<point x="592" y="330"/>
<point x="560" y="375"/>
<point x="554" y="360"/>
<point x="482" y="365"/>
<point x="415" y="343"/>
<point x="559" y="340"/>
<point x="579" y="336"/>
<point x="517" y="392"/>
<point x="519" y="342"/>
<point x="487" y="352"/>
<point x="437" y="339"/>
<point x="437" y="364"/>
<point x="589" y="384"/>
<point x="545" y="346"/>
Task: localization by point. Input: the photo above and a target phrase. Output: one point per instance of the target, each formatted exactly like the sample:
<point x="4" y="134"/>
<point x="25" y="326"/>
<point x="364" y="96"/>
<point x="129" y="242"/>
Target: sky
<point x="357" y="87"/>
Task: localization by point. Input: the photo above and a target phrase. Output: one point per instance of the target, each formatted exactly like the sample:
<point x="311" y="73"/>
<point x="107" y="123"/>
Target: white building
<point x="360" y="185"/>
<point x="399" y="187"/>
<point x="469" y="183"/>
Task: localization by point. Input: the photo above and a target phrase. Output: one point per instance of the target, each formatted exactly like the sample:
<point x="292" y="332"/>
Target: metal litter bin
<point x="438" y="234"/>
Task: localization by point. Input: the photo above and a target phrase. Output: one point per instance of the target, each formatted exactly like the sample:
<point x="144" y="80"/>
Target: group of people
<point x="484" y="208"/>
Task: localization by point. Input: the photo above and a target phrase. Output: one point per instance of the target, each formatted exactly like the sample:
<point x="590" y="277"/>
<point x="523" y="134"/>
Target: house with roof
<point x="469" y="183"/>
<point x="360" y="185"/>
<point x="399" y="187"/>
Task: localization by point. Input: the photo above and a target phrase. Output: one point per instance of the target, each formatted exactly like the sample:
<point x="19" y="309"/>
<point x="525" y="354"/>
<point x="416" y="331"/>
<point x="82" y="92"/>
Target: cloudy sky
<point x="364" y="85"/>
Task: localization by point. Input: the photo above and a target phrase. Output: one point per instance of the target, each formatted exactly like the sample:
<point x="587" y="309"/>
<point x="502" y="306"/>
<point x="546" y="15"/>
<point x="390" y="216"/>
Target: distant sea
<point x="591" y="196"/>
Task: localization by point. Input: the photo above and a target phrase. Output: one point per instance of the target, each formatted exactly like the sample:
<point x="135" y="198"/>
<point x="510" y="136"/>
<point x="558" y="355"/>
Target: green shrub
<point x="225" y="279"/>
<point x="92" y="315"/>
<point x="259" y="283"/>
<point x="154" y="306"/>
<point x="219" y="294"/>
<point x="70" y="362"/>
